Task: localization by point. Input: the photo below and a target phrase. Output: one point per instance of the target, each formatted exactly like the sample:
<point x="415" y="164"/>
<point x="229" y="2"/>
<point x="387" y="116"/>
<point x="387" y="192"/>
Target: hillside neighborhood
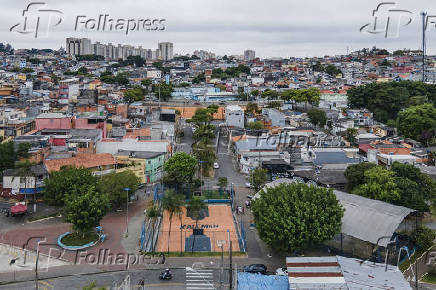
<point x="229" y="171"/>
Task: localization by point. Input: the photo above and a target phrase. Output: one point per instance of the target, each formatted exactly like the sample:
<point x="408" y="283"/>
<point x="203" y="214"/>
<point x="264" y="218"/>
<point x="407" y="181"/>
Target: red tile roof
<point x="86" y="160"/>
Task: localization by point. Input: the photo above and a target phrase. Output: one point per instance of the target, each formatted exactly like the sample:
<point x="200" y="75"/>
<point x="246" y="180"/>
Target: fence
<point x="183" y="241"/>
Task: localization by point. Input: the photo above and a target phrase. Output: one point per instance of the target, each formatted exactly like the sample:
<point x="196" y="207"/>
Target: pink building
<point x="92" y="121"/>
<point x="52" y="121"/>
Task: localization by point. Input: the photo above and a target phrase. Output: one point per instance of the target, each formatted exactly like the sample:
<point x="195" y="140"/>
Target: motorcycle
<point x="166" y="275"/>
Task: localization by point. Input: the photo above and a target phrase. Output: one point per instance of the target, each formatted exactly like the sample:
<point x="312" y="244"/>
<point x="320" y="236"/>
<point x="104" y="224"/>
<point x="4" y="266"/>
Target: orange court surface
<point x="215" y="227"/>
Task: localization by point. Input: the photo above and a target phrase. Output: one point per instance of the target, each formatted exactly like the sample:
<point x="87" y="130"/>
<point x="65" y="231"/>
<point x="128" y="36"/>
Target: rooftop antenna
<point x="424" y="17"/>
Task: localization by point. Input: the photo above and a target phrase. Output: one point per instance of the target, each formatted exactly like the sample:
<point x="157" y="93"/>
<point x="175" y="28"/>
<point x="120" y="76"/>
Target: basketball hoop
<point x="220" y="243"/>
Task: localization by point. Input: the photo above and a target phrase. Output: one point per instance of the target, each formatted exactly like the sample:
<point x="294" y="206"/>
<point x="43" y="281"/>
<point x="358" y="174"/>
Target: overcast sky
<point x="281" y="28"/>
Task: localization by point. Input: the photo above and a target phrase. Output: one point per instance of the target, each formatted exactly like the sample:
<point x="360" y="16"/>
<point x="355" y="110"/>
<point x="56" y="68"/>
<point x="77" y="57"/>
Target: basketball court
<point x="215" y="228"/>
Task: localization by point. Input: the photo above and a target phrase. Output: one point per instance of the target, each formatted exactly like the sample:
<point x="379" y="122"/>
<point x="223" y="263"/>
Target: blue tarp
<point x="248" y="281"/>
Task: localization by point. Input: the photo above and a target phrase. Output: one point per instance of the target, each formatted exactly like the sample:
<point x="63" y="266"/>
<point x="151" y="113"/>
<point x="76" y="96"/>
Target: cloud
<point x="272" y="28"/>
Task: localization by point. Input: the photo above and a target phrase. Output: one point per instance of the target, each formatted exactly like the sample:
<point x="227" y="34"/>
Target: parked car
<point x="255" y="268"/>
<point x="282" y="271"/>
<point x="248" y="185"/>
<point x="216" y="165"/>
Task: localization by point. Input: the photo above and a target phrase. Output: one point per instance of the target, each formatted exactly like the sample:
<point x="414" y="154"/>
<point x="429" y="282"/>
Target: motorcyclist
<point x="167" y="273"/>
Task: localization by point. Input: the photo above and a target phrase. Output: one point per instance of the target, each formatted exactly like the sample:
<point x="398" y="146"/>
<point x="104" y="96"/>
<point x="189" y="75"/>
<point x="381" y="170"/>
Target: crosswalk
<point x="199" y="279"/>
<point x="45" y="284"/>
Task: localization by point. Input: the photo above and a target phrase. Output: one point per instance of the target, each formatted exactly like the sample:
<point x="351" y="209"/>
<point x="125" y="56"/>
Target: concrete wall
<point x="55" y="123"/>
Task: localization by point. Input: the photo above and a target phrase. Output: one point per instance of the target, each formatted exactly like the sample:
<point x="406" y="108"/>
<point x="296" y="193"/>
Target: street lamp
<point x="127" y="209"/>
<point x="201" y="176"/>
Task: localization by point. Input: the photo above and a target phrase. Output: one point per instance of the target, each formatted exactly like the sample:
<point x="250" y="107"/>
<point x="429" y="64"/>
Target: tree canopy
<point x="164" y="90"/>
<point x="86" y="210"/>
<point x="113" y="185"/>
<point x="317" y="117"/>
<point x="65" y="182"/>
<point x="386" y="100"/>
<point x="258" y="178"/>
<point x="403" y="184"/>
<point x="418" y="122"/>
<point x="133" y="95"/>
<point x="295" y="216"/>
<point x="180" y="169"/>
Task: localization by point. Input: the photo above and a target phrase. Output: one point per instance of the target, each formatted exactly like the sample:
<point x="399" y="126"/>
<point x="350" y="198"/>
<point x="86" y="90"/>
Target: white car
<point x="282" y="272"/>
<point x="216" y="165"/>
<point x="248" y="185"/>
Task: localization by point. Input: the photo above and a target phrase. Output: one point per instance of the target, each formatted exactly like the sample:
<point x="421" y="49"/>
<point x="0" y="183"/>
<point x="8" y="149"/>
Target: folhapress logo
<point x="38" y="19"/>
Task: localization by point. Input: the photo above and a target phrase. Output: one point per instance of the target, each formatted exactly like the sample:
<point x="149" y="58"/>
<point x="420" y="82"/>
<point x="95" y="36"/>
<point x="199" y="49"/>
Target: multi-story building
<point x="234" y="116"/>
<point x="78" y="46"/>
<point x="249" y="55"/>
<point x="166" y="50"/>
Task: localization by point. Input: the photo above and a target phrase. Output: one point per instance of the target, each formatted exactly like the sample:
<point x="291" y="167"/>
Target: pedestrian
<point x="243" y="210"/>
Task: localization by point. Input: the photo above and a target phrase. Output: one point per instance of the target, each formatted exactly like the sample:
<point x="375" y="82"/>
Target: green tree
<point x="146" y="82"/>
<point x="172" y="203"/>
<point x="179" y="169"/>
<point x="7" y="156"/>
<point x="222" y="182"/>
<point x="270" y="94"/>
<point x="203" y="152"/>
<point x="203" y="116"/>
<point x="351" y="134"/>
<point x="418" y="122"/>
<point x="195" y="208"/>
<point x="379" y="184"/>
<point x="82" y="70"/>
<point x="113" y="185"/>
<point x="204" y="134"/>
<point x="332" y="70"/>
<point x="417" y="189"/>
<point x="65" y="182"/>
<point x="386" y="100"/>
<point x="257" y="125"/>
<point x="274" y="104"/>
<point x="423" y="237"/>
<point x="317" y="117"/>
<point x="258" y="178"/>
<point x="251" y="108"/>
<point x="355" y="174"/>
<point x="163" y="90"/>
<point x="255" y="93"/>
<point x="85" y="209"/>
<point x="133" y="95"/>
<point x="295" y="216"/>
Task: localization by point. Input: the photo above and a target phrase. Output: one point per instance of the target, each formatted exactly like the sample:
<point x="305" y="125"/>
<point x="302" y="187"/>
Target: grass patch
<point x="78" y="239"/>
<point x="429" y="277"/>
<point x="194" y="254"/>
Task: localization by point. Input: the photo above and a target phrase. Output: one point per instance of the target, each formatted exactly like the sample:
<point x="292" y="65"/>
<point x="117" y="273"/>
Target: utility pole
<point x="127" y="210"/>
<point x="424" y="17"/>
<point x="231" y="268"/>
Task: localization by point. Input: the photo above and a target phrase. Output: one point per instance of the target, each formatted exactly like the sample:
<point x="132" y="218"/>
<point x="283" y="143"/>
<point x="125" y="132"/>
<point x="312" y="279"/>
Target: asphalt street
<point x="187" y="278"/>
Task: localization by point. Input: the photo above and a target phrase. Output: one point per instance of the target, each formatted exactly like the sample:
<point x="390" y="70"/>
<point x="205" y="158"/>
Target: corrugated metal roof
<point x="339" y="272"/>
<point x="315" y="273"/>
<point x="369" y="219"/>
<point x="364" y="218"/>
